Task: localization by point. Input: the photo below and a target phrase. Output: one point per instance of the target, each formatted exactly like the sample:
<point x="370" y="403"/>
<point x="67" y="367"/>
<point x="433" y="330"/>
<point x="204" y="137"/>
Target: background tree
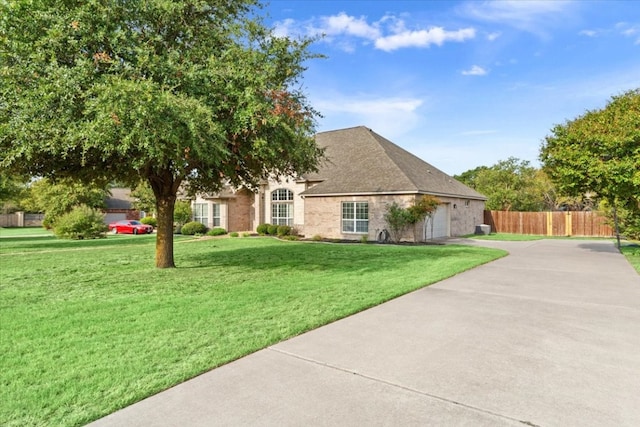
<point x="143" y="198"/>
<point x="194" y="93"/>
<point x="12" y="190"/>
<point x="510" y="185"/>
<point x="470" y="177"/>
<point x="55" y="199"/>
<point x="599" y="152"/>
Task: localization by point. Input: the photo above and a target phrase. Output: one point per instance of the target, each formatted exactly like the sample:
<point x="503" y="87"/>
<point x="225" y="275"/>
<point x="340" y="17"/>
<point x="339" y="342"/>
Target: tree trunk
<point x="164" y="238"/>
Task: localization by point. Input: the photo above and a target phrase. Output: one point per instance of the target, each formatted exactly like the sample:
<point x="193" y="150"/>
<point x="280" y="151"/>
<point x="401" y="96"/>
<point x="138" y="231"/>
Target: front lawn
<point x="632" y="252"/>
<point x="24" y="232"/>
<point x="89" y="327"/>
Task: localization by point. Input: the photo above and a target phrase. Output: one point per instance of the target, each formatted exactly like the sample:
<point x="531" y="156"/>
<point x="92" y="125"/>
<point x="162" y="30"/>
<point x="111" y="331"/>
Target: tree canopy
<point x="599" y="152"/>
<point x="511" y="184"/>
<point x="193" y="94"/>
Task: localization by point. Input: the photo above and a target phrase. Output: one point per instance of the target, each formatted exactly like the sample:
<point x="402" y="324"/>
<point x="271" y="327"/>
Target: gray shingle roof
<point x="120" y="199"/>
<point x="359" y="161"/>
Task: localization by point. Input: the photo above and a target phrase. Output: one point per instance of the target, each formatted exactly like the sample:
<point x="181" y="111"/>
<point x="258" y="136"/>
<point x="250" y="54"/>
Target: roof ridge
<point x="344" y="129"/>
<point x="385" y="144"/>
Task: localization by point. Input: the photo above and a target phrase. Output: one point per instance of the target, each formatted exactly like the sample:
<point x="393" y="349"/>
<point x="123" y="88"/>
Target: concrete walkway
<point x="548" y="336"/>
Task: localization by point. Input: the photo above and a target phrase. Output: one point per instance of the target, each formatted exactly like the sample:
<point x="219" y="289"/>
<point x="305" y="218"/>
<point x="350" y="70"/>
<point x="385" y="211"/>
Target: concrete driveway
<point x="548" y="336"/>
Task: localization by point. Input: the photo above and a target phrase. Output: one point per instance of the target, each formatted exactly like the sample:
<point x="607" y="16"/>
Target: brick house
<point x="119" y="205"/>
<point x="348" y="196"/>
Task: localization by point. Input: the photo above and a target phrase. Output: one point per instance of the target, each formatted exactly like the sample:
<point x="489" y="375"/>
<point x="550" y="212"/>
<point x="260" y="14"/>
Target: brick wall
<point x="240" y="211"/>
<point x="323" y="215"/>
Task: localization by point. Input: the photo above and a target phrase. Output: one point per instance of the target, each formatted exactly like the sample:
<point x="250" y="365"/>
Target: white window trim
<point x="282" y="197"/>
<point x="354" y="221"/>
<point x="201" y="217"/>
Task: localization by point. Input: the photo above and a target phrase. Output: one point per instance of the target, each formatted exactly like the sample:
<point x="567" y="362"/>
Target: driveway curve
<point x="547" y="336"/>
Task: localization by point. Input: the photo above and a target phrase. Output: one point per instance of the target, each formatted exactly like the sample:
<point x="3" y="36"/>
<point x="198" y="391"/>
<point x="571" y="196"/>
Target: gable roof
<point x="120" y="198"/>
<point x="359" y="161"/>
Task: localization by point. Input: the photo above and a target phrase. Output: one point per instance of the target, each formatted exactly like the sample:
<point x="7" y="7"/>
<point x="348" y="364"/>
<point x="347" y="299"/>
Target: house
<point x="347" y="198"/>
<point x="119" y="205"/>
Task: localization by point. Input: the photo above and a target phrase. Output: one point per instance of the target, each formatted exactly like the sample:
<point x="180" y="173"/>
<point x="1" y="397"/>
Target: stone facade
<point x="323" y="216"/>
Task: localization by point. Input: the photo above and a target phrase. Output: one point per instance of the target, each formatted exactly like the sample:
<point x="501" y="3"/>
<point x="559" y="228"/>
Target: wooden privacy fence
<point x="21" y="219"/>
<point x="588" y="224"/>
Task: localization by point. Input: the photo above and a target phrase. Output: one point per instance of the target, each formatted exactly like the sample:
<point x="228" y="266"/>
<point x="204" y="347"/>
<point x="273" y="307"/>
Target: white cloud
<point x="374" y="106"/>
<point x="423" y="38"/>
<point x="493" y="36"/>
<point x="588" y="33"/>
<point x="349" y="25"/>
<point x="629" y="30"/>
<point x="388" y="34"/>
<point x="391" y="117"/>
<point x="476" y="70"/>
<point x="284" y="28"/>
<point x="533" y="16"/>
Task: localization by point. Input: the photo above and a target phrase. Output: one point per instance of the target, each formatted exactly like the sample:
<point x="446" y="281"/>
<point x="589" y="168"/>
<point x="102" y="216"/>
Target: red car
<point x="130" y="227"/>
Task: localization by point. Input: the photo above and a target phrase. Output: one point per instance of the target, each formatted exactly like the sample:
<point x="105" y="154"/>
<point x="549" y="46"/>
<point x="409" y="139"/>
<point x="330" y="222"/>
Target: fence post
<point x="549" y="224"/>
<point x="567" y="223"/>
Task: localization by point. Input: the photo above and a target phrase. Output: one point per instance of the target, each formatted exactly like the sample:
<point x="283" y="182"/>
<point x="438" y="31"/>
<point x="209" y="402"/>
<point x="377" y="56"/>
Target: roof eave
<point x="391" y="193"/>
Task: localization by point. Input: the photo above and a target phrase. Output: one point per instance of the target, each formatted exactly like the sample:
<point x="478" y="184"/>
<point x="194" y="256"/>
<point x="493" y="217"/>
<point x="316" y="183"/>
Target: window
<point x="216" y="215"/>
<point x="282" y="207"/>
<point x="201" y="213"/>
<point x="355" y="217"/>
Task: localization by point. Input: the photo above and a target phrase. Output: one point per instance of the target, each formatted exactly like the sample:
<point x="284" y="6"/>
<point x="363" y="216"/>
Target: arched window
<point x="282" y="207"/>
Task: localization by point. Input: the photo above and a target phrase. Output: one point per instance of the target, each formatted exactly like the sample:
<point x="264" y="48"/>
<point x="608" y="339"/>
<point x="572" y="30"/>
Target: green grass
<point x="24" y="232"/>
<point x="632" y="252"/>
<point x="89" y="327"/>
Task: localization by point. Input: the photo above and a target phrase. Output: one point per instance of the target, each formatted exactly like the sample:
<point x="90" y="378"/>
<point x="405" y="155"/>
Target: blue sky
<point x="463" y="84"/>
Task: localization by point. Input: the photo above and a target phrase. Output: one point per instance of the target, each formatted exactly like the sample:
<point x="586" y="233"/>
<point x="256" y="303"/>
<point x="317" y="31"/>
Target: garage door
<point x="113" y="217"/>
<point x="440" y="226"/>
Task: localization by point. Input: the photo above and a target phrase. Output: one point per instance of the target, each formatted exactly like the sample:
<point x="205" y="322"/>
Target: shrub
<point x="182" y="212"/>
<point x="150" y="221"/>
<point x="82" y="222"/>
<point x="246" y="234"/>
<point x="263" y="229"/>
<point x="234" y="234"/>
<point x="317" y="238"/>
<point x="290" y="237"/>
<point x="364" y="239"/>
<point x="398" y="220"/>
<point x="272" y="230"/>
<point x="193" y="227"/>
<point x="218" y="231"/>
<point x="284" y="230"/>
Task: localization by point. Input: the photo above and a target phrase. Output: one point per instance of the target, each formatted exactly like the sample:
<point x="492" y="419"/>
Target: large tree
<point x="195" y="93"/>
<point x="599" y="152"/>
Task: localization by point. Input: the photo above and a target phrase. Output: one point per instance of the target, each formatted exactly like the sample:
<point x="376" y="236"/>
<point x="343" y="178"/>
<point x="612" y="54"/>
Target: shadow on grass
<point x="335" y="257"/>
